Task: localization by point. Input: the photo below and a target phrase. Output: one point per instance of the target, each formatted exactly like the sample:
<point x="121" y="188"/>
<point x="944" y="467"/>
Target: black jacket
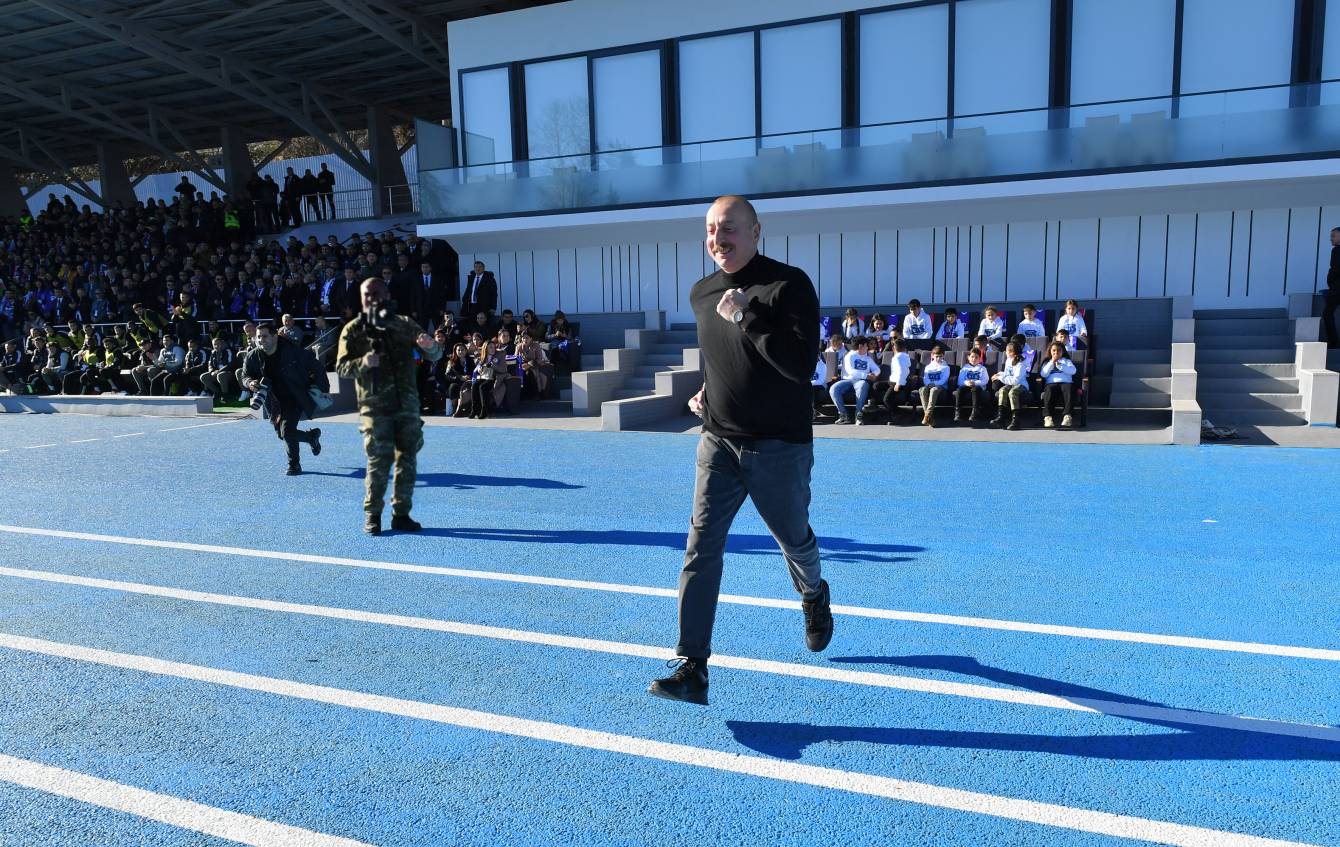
<point x="1333" y="273"/>
<point x="298" y="371"/>
<point x="484" y="290"/>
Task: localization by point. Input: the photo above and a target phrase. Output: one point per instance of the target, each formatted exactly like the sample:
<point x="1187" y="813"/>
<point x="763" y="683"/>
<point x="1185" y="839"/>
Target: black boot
<point x="405" y="523"/>
<point x="998" y="420"/>
<point x="294" y="469"/>
<point x="315" y="441"/>
<point x="373" y="525"/>
<point x="1014" y="422"/>
<point x="818" y="619"/>
<point x="688" y="683"/>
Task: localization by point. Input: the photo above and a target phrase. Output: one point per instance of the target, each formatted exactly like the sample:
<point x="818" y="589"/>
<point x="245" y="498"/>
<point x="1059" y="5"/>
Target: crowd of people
<point x="924" y="361"/>
<point x="164" y="298"/>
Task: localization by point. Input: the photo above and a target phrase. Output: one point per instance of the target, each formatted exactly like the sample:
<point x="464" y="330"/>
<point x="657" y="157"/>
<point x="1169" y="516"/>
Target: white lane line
<point x="127" y="435"/>
<point x="1139" y="711"/>
<point x="197" y="426"/>
<point x="1326" y="654"/>
<point x="85" y="440"/>
<point x="183" y="814"/>
<point x="36" y="446"/>
<point x="1084" y="820"/>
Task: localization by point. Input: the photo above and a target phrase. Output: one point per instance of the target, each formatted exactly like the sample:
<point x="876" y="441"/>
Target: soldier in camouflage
<point x="388" y="404"/>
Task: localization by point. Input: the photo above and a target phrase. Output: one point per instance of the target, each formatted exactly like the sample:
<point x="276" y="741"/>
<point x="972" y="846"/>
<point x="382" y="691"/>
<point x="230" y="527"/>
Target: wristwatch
<point x="738" y="316"/>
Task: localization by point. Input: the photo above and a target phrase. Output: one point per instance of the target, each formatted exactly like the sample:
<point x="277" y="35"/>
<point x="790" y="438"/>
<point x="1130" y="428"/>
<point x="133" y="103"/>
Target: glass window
<point x="628" y="100"/>
<point x="904" y="69"/>
<point x="1122" y="51"/>
<point x="801" y="69"/>
<point x="716" y="91"/>
<point x="1330" y="54"/>
<point x="487" y="116"/>
<point x="558" y="120"/>
<point x="1002" y="55"/>
<point x="1235" y="44"/>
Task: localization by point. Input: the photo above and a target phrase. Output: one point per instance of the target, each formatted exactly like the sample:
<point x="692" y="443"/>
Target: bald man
<point x="758" y="330"/>
<point x="381" y="364"/>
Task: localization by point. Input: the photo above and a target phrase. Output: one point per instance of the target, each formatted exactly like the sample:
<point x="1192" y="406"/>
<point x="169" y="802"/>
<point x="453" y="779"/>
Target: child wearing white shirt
<point x="916" y="323"/>
<point x="1058" y="376"/>
<point x="992" y="325"/>
<point x="900" y="368"/>
<point x="1073" y="322"/>
<point x="952" y="327"/>
<point x="1013" y="383"/>
<point x="935" y="377"/>
<point x="879" y="333"/>
<point x="852" y="325"/>
<point x="1030" y="326"/>
<point x="972" y="382"/>
<point x="859" y="372"/>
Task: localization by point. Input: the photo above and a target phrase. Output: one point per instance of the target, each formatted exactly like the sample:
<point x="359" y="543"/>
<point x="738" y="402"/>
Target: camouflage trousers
<point x="391" y="438"/>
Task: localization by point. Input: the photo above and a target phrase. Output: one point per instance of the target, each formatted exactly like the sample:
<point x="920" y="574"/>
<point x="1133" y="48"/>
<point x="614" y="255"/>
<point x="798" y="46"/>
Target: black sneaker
<point x="818" y="620"/>
<point x="843" y="419"/>
<point x="373" y="525"/>
<point x="316" y="442"/>
<point x="405" y="523"/>
<point x="688" y="683"/>
<point x="294" y="469"/>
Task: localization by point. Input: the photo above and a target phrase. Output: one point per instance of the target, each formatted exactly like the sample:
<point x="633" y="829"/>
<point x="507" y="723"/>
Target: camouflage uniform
<point x="388" y="415"/>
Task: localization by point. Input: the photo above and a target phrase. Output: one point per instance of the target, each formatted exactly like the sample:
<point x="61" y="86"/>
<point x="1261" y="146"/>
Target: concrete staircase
<point x="665" y="353"/>
<point x="1245" y="366"/>
<point x="1138" y="385"/>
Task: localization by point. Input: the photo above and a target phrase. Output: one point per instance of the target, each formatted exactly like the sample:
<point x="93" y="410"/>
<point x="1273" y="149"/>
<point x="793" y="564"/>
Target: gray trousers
<point x="776" y="476"/>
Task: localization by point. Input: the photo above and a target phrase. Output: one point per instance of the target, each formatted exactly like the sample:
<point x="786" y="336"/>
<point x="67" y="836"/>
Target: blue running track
<point x="1101" y="620"/>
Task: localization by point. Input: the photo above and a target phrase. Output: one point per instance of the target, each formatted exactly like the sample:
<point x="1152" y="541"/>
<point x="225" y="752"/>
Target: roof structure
<point x="166" y="77"/>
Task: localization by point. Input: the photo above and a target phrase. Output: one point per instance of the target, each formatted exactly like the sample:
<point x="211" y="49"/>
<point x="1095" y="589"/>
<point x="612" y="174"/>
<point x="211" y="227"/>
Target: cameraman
<point x="289" y="372"/>
<point x="377" y="353"/>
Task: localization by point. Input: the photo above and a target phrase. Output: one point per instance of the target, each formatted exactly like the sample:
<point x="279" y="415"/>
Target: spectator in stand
<point x="57" y="366"/>
<point x="1030" y="326"/>
<point x="481" y="292"/>
<point x="900" y="373"/>
<point x="311" y="196"/>
<point x="879" y="334"/>
<point x="533" y="326"/>
<point x="860" y="371"/>
<point x="325" y="181"/>
<point x="952" y="326"/>
<point x="196" y="366"/>
<point x="108" y="377"/>
<point x="565" y="348"/>
<point x="218" y="379"/>
<point x="449" y="326"/>
<point x="487" y="381"/>
<point x="1073" y="322"/>
<point x="819" y="384"/>
<point x="504" y="343"/>
<point x="508" y="322"/>
<point x="935" y="379"/>
<point x="1332" y="292"/>
<point x="433" y="289"/>
<point x="917" y="325"/>
<point x="143" y="366"/>
<point x="534" y="367"/>
<point x="169" y="363"/>
<point x="1064" y="337"/>
<point x="291" y="199"/>
<point x="451" y="376"/>
<point x="13" y="368"/>
<point x="1013" y="387"/>
<point x="1058" y="376"/>
<point x="837" y="343"/>
<point x="973" y="380"/>
<point x="852" y="326"/>
<point x="83" y="370"/>
<point x="992" y="325"/>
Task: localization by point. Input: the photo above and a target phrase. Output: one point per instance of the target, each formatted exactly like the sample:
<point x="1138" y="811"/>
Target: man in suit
<point x="481" y="292"/>
<point x="407" y="288"/>
<point x="434" y="291"/>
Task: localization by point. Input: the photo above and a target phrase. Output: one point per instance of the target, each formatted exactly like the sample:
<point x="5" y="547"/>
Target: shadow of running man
<point x="462" y="482"/>
<point x="1191" y="741"/>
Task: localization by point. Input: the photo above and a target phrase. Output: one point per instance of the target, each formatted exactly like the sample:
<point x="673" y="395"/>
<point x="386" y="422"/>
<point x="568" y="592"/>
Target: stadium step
<point x="1220" y="314"/>
<point x="1140" y="400"/>
<point x="665" y="349"/>
<point x="1254" y="417"/>
<point x="1137" y="384"/>
<point x="1128" y="370"/>
<point x="1246" y="370"/>
<point x="642" y="383"/>
<point x="628" y="393"/>
<point x="665" y="359"/>
<point x="1243" y="326"/>
<point x="690" y="327"/>
<point x="1241" y="342"/>
<point x="686" y="337"/>
<point x="1258" y="383"/>
<point x="1237" y="355"/>
<point x="1142" y="357"/>
<point x="1239" y="400"/>
<point x="652" y="370"/>
<point x="565" y="394"/>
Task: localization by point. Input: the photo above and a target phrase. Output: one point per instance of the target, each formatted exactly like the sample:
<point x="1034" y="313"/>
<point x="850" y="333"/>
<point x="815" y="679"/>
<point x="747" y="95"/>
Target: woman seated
<point x="533" y="326"/>
<point x="488" y="381"/>
<point x="451" y="377"/>
<point x="565" y="348"/>
<point x="535" y="367"/>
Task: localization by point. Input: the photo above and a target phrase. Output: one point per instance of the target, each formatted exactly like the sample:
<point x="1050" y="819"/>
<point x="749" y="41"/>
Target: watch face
<point x="738" y="316"/>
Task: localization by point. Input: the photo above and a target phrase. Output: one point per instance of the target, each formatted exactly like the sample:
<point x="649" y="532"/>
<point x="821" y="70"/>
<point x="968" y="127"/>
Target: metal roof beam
<point x="378" y="26"/>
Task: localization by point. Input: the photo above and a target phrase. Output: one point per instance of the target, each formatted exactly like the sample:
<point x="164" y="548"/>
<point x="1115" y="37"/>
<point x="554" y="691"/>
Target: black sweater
<point x="757" y="375"/>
